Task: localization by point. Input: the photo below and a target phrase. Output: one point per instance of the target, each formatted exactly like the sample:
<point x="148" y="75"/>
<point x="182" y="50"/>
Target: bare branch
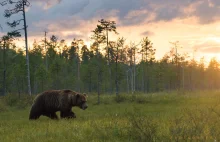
<point x="27" y="3"/>
<point x="20" y="29"/>
<point x="11" y="2"/>
<point x="8" y="13"/>
<point x="3" y="3"/>
<point x="14" y="34"/>
<point x="14" y="23"/>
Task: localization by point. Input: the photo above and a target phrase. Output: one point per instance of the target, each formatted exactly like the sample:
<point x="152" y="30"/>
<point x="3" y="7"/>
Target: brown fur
<point x="49" y="102"/>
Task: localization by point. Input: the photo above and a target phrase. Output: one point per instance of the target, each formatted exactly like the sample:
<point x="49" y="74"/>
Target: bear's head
<point x="77" y="99"/>
<point x="81" y="101"/>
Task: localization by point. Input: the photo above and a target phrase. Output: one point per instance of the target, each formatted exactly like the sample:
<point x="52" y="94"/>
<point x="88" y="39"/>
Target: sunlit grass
<point x="174" y="116"/>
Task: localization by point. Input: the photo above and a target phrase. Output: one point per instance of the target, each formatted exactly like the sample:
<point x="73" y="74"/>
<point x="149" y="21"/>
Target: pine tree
<point x="19" y="7"/>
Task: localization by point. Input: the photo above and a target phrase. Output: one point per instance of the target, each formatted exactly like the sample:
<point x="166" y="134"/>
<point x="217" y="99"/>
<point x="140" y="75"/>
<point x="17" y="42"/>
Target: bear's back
<point x="51" y="100"/>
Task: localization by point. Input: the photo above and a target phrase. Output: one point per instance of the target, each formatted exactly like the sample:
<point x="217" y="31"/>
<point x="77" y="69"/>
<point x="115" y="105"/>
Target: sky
<point x="194" y="23"/>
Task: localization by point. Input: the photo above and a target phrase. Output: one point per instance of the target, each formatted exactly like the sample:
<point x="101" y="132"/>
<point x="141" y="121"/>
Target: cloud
<point x="213" y="50"/>
<point x="1" y="34"/>
<point x="72" y="35"/>
<point x="207" y="11"/>
<point x="132" y="12"/>
<point x="147" y="33"/>
<point x="46" y="3"/>
<point x="208" y="46"/>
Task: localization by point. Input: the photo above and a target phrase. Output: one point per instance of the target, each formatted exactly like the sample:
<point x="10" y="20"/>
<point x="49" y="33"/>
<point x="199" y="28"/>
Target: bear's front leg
<point x="35" y="113"/>
<point x="71" y="115"/>
<point x="34" y="116"/>
<point x="67" y="115"/>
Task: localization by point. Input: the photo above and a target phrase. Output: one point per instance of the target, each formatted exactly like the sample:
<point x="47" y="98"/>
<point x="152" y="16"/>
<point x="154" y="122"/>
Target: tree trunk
<point x="78" y="74"/>
<point x="109" y="66"/>
<point x="132" y="81"/>
<point x="56" y="76"/>
<point x="35" y="85"/>
<point x="107" y="46"/>
<point x="90" y="81"/>
<point x="190" y="79"/>
<point x="127" y="81"/>
<point x="134" y="71"/>
<point x="45" y="42"/>
<point x="4" y="71"/>
<point x="143" y="76"/>
<point x="110" y="79"/>
<point x="18" y="87"/>
<point x="116" y="74"/>
<point x="98" y="87"/>
<point x="26" y="46"/>
<point x="146" y="75"/>
<point x="183" y="79"/>
<point x="99" y="76"/>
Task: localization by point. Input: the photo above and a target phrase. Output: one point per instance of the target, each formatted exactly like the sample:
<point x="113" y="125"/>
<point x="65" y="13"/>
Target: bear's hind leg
<point x="53" y="115"/>
<point x="62" y="114"/>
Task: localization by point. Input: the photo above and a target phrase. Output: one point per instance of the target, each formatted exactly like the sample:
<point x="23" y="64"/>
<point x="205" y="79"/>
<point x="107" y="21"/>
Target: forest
<point x="107" y="67"/>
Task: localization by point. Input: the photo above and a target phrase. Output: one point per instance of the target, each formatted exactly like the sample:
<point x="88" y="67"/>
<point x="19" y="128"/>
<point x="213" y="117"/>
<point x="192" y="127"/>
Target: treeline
<point x="106" y="67"/>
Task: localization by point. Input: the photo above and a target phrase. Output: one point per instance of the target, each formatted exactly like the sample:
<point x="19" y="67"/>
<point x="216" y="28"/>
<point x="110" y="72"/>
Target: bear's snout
<point x="84" y="106"/>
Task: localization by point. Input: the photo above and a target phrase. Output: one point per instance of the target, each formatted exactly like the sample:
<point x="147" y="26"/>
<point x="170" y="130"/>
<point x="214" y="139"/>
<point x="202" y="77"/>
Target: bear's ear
<point x="85" y="94"/>
<point x="77" y="96"/>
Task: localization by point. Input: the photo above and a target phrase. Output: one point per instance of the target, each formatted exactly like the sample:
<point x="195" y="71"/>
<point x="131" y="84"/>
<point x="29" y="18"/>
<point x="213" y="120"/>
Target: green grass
<point x="188" y="116"/>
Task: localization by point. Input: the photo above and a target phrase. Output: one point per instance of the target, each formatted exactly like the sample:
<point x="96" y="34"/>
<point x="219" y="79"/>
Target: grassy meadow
<point x="173" y="116"/>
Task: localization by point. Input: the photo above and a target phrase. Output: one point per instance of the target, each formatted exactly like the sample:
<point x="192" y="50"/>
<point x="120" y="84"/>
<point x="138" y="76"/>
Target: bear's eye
<point x="83" y="102"/>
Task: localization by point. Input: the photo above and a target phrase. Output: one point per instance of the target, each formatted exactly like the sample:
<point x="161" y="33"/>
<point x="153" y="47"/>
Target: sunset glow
<point x="195" y="24"/>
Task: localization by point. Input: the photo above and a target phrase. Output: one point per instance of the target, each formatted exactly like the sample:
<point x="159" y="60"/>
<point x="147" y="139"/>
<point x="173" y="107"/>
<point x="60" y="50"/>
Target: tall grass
<point x="159" y="117"/>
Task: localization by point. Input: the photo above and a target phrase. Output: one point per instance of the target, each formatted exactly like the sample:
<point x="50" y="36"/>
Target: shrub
<point x="15" y="101"/>
<point x="11" y="100"/>
<point x="199" y="124"/>
<point x="142" y="128"/>
<point x="24" y="102"/>
<point x="120" y="98"/>
<point x="141" y="99"/>
<point x="2" y="106"/>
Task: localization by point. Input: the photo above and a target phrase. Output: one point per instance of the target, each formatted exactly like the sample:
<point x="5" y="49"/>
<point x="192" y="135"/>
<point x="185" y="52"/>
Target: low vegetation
<point x="173" y="116"/>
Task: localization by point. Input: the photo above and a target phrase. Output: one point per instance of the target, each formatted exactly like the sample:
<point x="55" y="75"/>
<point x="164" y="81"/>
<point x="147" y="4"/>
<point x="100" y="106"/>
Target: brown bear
<point x="49" y="102"/>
